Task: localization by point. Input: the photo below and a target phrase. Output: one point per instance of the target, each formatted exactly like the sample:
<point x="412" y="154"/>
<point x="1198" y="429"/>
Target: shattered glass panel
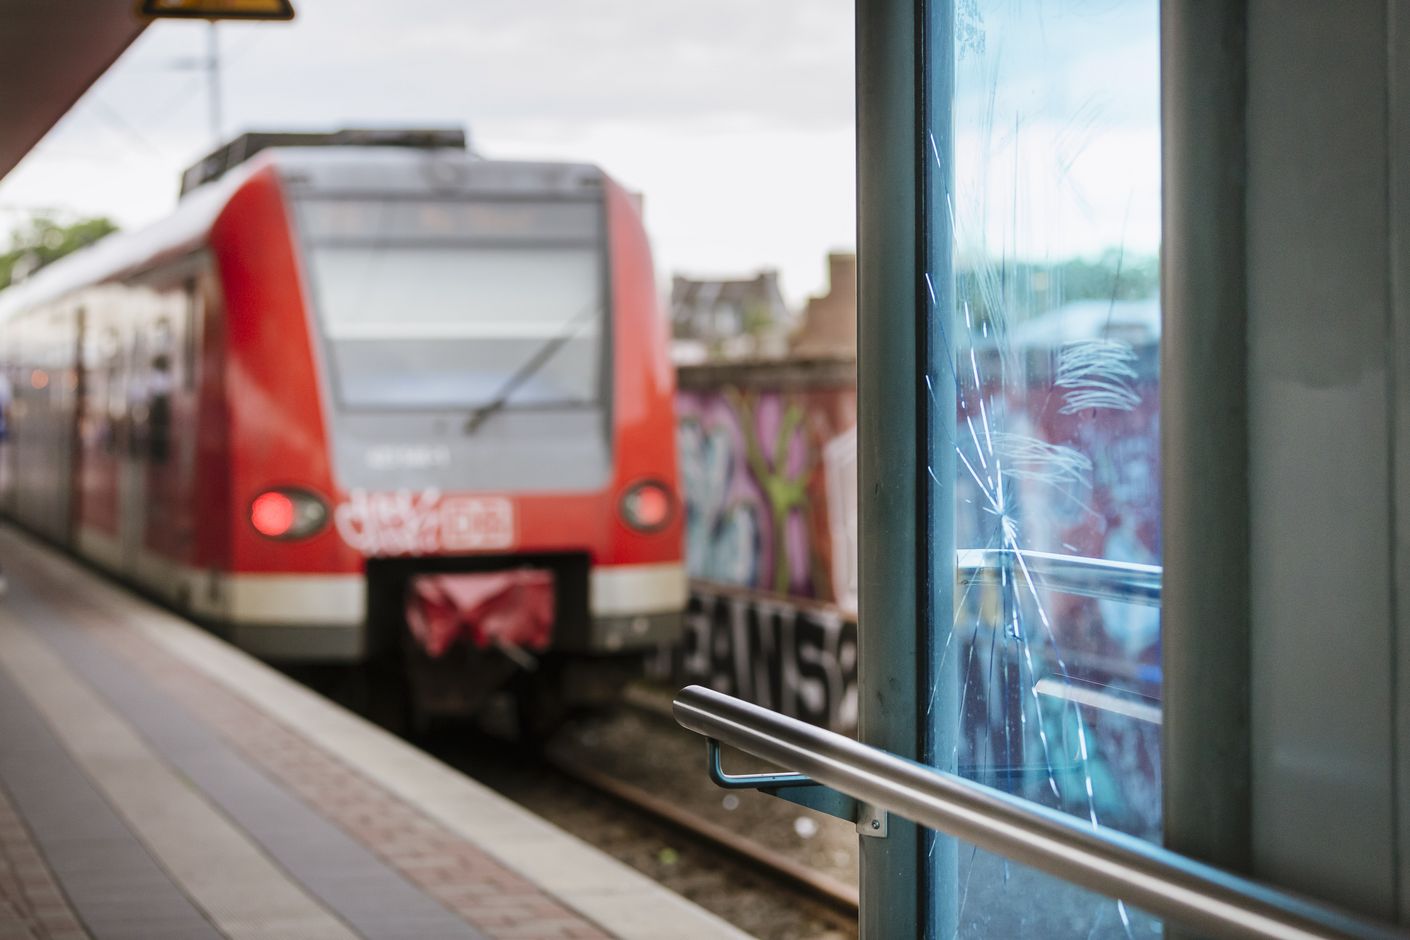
<point x="1044" y="399"/>
<point x="1050" y="908"/>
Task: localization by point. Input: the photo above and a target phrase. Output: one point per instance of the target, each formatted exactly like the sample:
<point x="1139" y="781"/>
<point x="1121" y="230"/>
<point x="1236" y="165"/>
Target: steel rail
<point x="1156" y="880"/>
<point x="840" y="897"/>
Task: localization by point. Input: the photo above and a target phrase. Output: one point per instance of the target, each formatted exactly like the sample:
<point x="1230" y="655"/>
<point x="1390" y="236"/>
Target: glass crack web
<point x="1047" y="333"/>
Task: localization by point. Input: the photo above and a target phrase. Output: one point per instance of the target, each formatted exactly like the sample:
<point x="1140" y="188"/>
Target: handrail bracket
<point x="801" y="789"/>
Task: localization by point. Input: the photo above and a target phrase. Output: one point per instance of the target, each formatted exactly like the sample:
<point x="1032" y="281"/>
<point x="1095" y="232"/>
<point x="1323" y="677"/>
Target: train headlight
<point x="647" y="506"/>
<point x="288" y="513"/>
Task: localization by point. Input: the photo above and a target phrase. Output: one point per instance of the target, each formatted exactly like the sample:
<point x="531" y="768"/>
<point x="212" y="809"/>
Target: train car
<point x="360" y="392"/>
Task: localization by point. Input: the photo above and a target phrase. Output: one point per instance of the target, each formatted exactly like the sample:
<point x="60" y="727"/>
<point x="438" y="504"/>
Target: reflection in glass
<point x="1047" y="907"/>
<point x="1051" y="349"/>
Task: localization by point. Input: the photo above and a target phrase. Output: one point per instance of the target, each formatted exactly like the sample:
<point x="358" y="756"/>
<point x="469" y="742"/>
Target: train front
<point x="487" y="486"/>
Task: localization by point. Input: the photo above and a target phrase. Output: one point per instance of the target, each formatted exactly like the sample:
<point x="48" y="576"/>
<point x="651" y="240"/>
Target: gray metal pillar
<point x="1204" y="428"/>
<point x="898" y="548"/>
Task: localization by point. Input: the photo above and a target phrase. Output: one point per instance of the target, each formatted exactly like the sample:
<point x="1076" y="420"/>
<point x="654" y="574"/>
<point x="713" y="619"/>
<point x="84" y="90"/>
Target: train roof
<point x="232" y="154"/>
<point x="122" y="252"/>
<point x="333" y="170"/>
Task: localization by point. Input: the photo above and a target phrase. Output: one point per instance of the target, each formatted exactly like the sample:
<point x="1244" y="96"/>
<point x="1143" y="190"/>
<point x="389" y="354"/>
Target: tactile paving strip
<point x="377" y="901"/>
<point x="31" y="905"/>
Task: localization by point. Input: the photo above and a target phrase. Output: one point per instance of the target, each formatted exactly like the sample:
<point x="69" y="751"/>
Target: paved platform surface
<point x="157" y="783"/>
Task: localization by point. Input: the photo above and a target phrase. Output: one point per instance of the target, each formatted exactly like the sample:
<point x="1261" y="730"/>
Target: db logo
<point x="405" y="523"/>
<point x="476" y="522"/>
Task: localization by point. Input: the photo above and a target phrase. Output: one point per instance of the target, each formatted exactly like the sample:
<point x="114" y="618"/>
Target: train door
<point x="184" y="509"/>
<point x="21" y="406"/>
<point x="41" y="419"/>
<point x="10" y="374"/>
<point x="35" y="421"/>
<point x="78" y="411"/>
<point x="22" y="415"/>
<point x="102" y="428"/>
<point x="131" y="475"/>
<point x="208" y="504"/>
<point x="64" y="397"/>
<point x="166" y="454"/>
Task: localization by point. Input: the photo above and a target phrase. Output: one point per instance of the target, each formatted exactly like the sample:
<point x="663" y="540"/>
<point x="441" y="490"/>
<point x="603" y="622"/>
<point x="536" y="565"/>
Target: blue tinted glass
<point x="996" y="898"/>
<point x="1044" y="398"/>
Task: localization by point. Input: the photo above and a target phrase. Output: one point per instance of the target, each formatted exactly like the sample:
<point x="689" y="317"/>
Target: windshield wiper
<point x="530" y="366"/>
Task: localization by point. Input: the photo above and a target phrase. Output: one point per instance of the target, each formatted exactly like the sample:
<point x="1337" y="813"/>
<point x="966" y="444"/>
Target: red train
<point x="347" y="389"/>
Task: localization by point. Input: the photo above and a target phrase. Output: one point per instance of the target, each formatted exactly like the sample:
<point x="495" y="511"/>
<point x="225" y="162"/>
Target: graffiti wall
<point x="768" y="460"/>
<point x="769" y="467"/>
<point x="795" y="657"/>
<point x="768" y="455"/>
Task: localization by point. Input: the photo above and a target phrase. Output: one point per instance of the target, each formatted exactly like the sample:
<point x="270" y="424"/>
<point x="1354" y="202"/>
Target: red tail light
<point x="647" y="506"/>
<point x="287" y="513"/>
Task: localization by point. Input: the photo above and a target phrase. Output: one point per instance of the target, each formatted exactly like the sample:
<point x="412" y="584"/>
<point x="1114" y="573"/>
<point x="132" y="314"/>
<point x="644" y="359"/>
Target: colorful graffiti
<point x="797" y="658"/>
<point x="769" y="472"/>
<point x="769" y="466"/>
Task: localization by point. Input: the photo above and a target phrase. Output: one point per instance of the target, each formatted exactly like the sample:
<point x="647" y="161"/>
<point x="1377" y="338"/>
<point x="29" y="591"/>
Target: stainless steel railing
<point x="1151" y="878"/>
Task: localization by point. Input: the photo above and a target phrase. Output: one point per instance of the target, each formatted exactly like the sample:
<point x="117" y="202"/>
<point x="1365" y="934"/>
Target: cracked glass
<point x="1043" y="389"/>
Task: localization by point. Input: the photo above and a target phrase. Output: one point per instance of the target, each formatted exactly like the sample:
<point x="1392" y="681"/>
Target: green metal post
<point x="907" y="550"/>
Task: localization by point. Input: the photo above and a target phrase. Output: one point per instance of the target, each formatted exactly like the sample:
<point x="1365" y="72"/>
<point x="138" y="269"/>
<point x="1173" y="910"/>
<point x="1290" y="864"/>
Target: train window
<point x="1044" y="384"/>
<point x="428" y="305"/>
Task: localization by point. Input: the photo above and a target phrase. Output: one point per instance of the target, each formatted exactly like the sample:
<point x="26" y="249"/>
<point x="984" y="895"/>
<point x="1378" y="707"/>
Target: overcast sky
<point x="1057" y="129"/>
<point x="733" y="118"/>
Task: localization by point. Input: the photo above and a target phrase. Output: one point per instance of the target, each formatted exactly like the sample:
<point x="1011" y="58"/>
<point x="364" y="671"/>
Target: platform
<point x="157" y="783"/>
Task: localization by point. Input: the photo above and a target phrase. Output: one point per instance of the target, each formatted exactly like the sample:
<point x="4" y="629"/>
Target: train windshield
<point x="458" y="304"/>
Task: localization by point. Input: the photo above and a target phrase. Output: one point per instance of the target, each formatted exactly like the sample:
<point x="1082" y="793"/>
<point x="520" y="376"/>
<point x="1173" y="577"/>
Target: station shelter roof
<point x="50" y="53"/>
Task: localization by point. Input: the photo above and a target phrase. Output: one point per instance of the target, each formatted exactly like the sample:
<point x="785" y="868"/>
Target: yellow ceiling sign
<point x="219" y="9"/>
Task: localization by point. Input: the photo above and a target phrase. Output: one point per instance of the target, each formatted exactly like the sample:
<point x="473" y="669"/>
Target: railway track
<point x="842" y="897"/>
<point x="760" y="890"/>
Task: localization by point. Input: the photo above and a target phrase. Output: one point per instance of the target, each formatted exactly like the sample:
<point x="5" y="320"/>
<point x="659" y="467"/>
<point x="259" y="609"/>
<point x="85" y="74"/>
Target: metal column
<point x="907" y="544"/>
<point x="1204" y="434"/>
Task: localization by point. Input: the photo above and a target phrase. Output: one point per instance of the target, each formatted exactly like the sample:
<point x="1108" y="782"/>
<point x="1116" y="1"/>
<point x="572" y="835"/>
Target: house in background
<point x="729" y="319"/>
<point x="828" y="327"/>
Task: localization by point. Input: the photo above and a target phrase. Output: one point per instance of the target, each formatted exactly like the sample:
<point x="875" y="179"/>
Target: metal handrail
<point x="1117" y="865"/>
<point x="1069" y="574"/>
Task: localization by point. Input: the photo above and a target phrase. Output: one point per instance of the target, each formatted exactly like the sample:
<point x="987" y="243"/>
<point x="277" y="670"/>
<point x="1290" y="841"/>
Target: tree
<point x="1033" y="287"/>
<point x="44" y="241"/>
